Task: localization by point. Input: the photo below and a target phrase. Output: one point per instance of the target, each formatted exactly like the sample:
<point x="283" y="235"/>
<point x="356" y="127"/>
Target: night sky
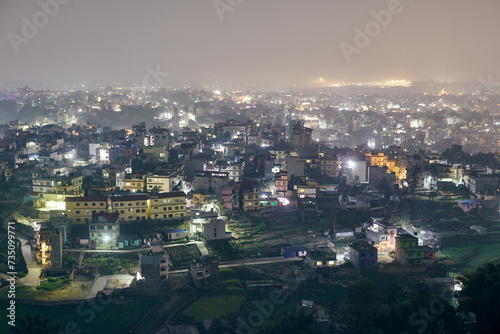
<point x="248" y="42"/>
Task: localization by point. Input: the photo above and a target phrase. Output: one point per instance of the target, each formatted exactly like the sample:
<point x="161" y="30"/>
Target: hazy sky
<point x="259" y="40"/>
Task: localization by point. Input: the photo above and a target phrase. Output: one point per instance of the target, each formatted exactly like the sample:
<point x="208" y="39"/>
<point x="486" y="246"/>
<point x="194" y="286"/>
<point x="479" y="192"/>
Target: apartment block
<point x="131" y="207"/>
<point x="80" y="209"/>
<point x="162" y="183"/>
<point x="104" y="230"/>
<point x="168" y="205"/>
<point x="134" y="183"/>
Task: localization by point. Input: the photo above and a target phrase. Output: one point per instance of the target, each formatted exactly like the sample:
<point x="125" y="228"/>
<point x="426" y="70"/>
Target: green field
<point x="116" y="318"/>
<point x="456" y="252"/>
<point x="474" y="252"/>
<point x="183" y="255"/>
<point x="211" y="307"/>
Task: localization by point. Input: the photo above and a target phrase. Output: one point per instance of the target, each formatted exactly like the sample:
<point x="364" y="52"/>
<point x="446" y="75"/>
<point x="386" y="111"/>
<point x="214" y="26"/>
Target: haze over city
<point x="267" y="43"/>
<point x="249" y="166"/>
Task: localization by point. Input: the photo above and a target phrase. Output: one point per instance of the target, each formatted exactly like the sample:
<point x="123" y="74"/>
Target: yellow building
<point x="379" y="160"/>
<point x="199" y="198"/>
<point x="134" y="183"/>
<point x="52" y="192"/>
<point x="132" y="207"/>
<point x="80" y="209"/>
<point x="104" y="230"/>
<point x="168" y="205"/>
<point x="395" y="166"/>
<point x="250" y="197"/>
<point x="161" y="182"/>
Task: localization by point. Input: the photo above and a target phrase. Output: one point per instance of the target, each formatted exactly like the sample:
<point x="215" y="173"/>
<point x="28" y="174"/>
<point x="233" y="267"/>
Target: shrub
<point x="53" y="284"/>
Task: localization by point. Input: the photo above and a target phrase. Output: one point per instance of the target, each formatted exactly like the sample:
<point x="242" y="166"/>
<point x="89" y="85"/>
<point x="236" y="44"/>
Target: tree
<point x="291" y="323"/>
<point x="455" y="154"/>
<point x="360" y="306"/>
<point x="221" y="324"/>
<point x="480" y="295"/>
<point x="137" y="165"/>
<point x="35" y="325"/>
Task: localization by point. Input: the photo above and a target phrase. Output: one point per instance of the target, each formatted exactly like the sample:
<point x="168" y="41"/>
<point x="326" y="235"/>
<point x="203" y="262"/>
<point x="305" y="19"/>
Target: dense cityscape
<point x="225" y="196"/>
<point x="249" y="179"/>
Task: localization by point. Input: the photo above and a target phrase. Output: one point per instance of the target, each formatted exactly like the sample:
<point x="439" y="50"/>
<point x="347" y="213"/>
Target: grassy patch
<point x="53" y="284"/>
<point x="226" y="250"/>
<point x="73" y="290"/>
<point x="111" y="263"/>
<point x="239" y="273"/>
<point x="486" y="253"/>
<point x="212" y="307"/>
<point x="183" y="255"/>
<point x="456" y="252"/>
<point x="473" y="252"/>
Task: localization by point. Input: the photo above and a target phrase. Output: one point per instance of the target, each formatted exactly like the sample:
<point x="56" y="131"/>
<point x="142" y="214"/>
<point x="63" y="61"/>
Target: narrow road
<point x="246" y="262"/>
<point x="34" y="270"/>
<point x="201" y="246"/>
<point x="252" y="262"/>
<point x="135" y="250"/>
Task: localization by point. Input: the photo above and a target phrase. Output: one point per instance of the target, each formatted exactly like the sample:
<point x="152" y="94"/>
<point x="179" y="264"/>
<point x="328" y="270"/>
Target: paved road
<point x="135" y="250"/>
<point x="34" y="270"/>
<point x="100" y="283"/>
<point x="252" y="262"/>
<point x="202" y="248"/>
<point x="247" y="262"/>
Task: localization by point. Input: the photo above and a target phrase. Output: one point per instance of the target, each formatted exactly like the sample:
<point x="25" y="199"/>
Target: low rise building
<point x="153" y="276"/>
<point x="80" y="209"/>
<point x="407" y="250"/>
<point x="168" y="205"/>
<point x="250" y="196"/>
<point x="281" y="182"/>
<point x="131" y="207"/>
<point x="199" y="218"/>
<point x="215" y="230"/>
<point x="329" y="166"/>
<point x="104" y="230"/>
<point x="134" y="183"/>
<point x="293" y="251"/>
<point x="204" y="270"/>
<point x="176" y="234"/>
<point x="321" y="257"/>
<point x="382" y="235"/>
<point x="158" y="183"/>
<point x="362" y="254"/>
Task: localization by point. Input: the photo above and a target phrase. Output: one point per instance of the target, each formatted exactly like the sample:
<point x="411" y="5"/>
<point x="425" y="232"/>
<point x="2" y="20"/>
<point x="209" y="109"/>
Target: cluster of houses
<point x="100" y="180"/>
<point x="380" y="238"/>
